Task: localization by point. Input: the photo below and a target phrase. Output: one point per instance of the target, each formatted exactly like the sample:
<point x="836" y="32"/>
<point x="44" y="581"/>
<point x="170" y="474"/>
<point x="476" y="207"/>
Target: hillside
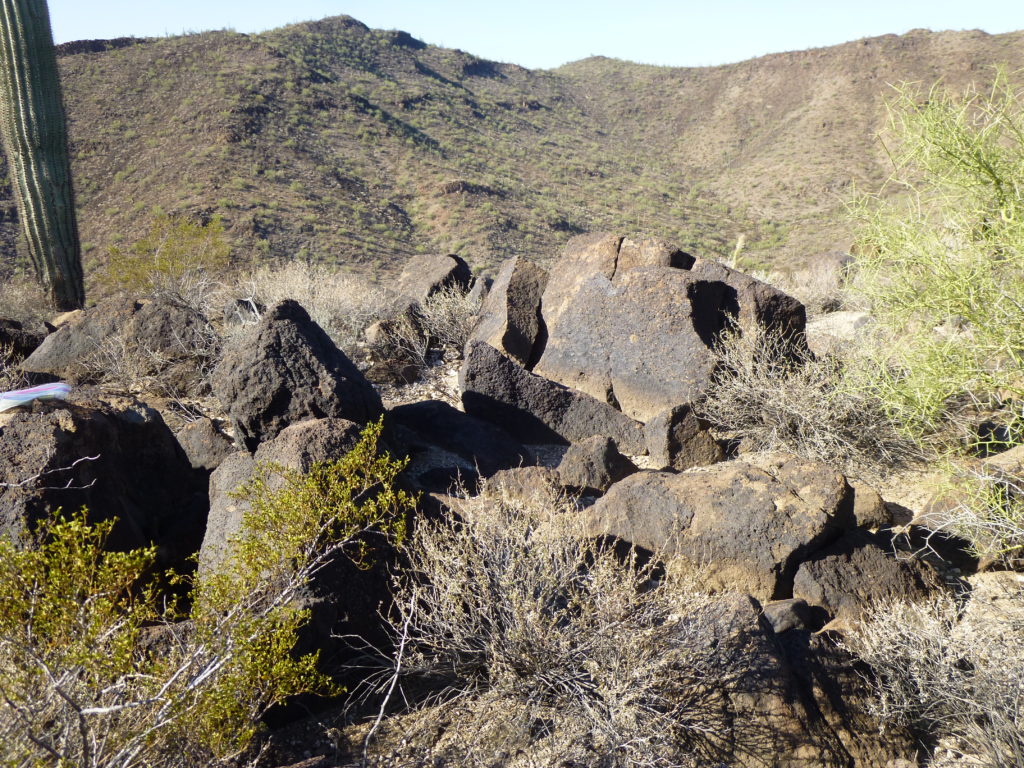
<point x="333" y="142"/>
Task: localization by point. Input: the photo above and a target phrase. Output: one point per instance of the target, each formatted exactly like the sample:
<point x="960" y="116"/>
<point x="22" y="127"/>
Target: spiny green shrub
<point x="940" y="264"/>
<point x="97" y="669"/>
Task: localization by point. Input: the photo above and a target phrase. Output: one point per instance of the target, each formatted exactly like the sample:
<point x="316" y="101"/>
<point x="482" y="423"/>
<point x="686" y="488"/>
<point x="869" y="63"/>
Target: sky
<point x="547" y="33"/>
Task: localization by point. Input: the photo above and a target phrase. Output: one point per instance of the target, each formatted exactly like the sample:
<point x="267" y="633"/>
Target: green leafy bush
<point x="174" y="256"/>
<point x="941" y="266"/>
<point x="97" y="669"/>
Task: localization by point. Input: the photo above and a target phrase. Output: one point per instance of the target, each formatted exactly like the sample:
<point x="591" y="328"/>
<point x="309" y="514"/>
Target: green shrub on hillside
<point x="174" y="252"/>
<point x="941" y="266"/>
<point x="97" y="670"/>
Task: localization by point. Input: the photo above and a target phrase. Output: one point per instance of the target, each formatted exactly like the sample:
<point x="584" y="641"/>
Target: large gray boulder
<point x="163" y="339"/>
<point x="536" y="410"/>
<point x="604" y="254"/>
<point x="425" y="275"/>
<point x="738" y="526"/>
<point x="642" y="341"/>
<point x="115" y="457"/>
<point x="509" y="318"/>
<point x="634" y="323"/>
<point x="288" y="371"/>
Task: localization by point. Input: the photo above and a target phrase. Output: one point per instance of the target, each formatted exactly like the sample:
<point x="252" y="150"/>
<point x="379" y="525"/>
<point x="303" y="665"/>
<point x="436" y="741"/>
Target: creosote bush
<point x="97" y="669"/>
<point x="940" y="264"/>
<point x="178" y="258"/>
<point x="959" y="682"/>
<point x="776" y="395"/>
<point x="536" y="636"/>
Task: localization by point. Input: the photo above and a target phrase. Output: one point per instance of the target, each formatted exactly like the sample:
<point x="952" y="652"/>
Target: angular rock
<point x="204" y="444"/>
<point x="785" y="615"/>
<point x="858" y="572"/>
<point x="536" y="410"/>
<point x="288" y="371"/>
<point x="754" y="304"/>
<point x="738" y="526"/>
<point x="650" y="252"/>
<point x="604" y="254"/>
<point x="509" y="318"/>
<point x="140" y="475"/>
<point x="62" y="353"/>
<point x="594" y="465"/>
<point x="483" y="447"/>
<point x="584" y="256"/>
<point x="869" y="510"/>
<point x="527" y="484"/>
<point x="642" y="342"/>
<point x="296" y="447"/>
<point x="679" y="439"/>
<point x="344" y="600"/>
<point x="163" y="338"/>
<point x="423" y="276"/>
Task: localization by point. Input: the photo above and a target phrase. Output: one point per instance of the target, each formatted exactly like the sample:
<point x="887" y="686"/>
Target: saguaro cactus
<point x="35" y="139"/>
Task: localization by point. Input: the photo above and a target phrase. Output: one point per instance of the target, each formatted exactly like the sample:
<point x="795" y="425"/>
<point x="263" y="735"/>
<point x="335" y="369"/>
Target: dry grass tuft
<point x="959" y="681"/>
<point x="774" y="397"/>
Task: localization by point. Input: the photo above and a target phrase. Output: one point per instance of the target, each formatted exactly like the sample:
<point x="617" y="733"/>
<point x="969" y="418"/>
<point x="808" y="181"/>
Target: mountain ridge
<point x="331" y="141"/>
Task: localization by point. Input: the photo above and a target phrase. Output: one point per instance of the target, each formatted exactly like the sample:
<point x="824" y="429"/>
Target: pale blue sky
<point x="546" y="33"/>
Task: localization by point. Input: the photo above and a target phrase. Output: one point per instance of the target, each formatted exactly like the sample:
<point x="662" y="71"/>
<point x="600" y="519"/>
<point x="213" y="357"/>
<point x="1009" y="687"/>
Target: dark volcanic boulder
<point x="297" y="447"/>
<point x="21" y="340"/>
<point x="138" y="473"/>
<point x="343" y="599"/>
<point x="423" y="276"/>
<point x="288" y="371"/>
<point x="162" y="338"/>
<point x="679" y="439"/>
<point x="634" y="323"/>
<point x="642" y="342"/>
<point x="536" y="410"/>
<point x="594" y="465"/>
<point x="204" y="443"/>
<point x="477" y="446"/>
<point x="63" y="352"/>
<point x="509" y="318"/>
<point x="739" y="526"/>
<point x="859" y="571"/>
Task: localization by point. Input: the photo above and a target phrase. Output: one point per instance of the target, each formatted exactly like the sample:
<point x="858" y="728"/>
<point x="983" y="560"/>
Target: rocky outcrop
<point x="859" y="571"/>
<point x="679" y="439"/>
<point x="594" y="465"/>
<point x="288" y="370"/>
<point x="509" y="318"/>
<point x="739" y="526"/>
<point x="117" y="458"/>
<point x="634" y="323"/>
<point x="536" y="410"/>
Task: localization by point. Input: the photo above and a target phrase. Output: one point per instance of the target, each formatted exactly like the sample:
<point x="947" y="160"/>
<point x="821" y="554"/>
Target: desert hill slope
<point x="331" y="141"/>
